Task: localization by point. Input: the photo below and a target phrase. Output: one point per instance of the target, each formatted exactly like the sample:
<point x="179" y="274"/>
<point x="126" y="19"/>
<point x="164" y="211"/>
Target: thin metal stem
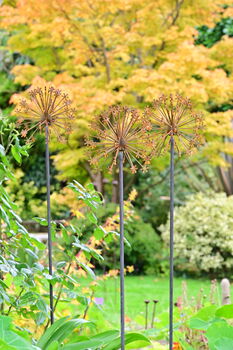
<point x="171" y="243"/>
<point x="49" y="222"/>
<point x="146" y="315"/>
<point x="122" y="263"/>
<point x="153" y="313"/>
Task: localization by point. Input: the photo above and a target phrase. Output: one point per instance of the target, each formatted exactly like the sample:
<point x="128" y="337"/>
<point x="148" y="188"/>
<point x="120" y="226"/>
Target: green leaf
<point x="53" y="346"/>
<point x="5" y="346"/>
<point x="87" y="269"/>
<point x="203" y="318"/>
<point x="41" y="221"/>
<point x="99" y="232"/>
<point x="60" y="331"/>
<point x="40" y="318"/>
<point x="28" y="298"/>
<point x="2" y="150"/>
<point x="31" y="253"/>
<point x="97" y="341"/>
<point x="16" y="153"/>
<point x="38" y="244"/>
<point x="224" y="344"/>
<point x="129" y="338"/>
<point x="225" y="311"/>
<point x="82" y="300"/>
<point x="42" y="306"/>
<point x="196" y="323"/>
<point x="216" y="332"/>
<point x="42" y="342"/>
<point x="12" y="339"/>
<point x="90" y="187"/>
<point x="61" y="264"/>
<point x="92" y="218"/>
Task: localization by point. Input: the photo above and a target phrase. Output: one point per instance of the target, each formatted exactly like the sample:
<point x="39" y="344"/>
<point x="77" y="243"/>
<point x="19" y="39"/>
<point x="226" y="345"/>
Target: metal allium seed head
<point x="173" y="116"/>
<point x="46" y="106"/>
<point x="120" y="129"/>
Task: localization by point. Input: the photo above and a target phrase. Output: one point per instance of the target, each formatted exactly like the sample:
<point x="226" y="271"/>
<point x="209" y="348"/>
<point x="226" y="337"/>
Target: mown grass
<point x="140" y="288"/>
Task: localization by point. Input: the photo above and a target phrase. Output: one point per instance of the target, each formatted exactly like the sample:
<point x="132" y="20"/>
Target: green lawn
<point x="140" y="288"/>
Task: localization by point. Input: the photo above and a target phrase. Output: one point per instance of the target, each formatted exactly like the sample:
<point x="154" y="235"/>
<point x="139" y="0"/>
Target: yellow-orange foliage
<point x="126" y="51"/>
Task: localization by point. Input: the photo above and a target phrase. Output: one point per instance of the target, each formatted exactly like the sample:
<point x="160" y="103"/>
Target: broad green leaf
<point x="224" y="344"/>
<point x="11" y="338"/>
<point x="49" y="332"/>
<point x="53" y="346"/>
<point x="196" y="323"/>
<point x="217" y="331"/>
<point x="98" y="340"/>
<point x="5" y="346"/>
<point x="28" y="298"/>
<point x="60" y="332"/>
<point x="225" y="311"/>
<point x="203" y="318"/>
<point x="129" y="338"/>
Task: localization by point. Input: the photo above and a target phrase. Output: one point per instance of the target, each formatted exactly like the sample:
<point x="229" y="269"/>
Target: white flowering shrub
<point x="203" y="234"/>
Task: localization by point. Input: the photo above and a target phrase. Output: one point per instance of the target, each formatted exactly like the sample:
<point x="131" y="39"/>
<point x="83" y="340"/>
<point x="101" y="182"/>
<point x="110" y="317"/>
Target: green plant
<point x="215" y="324"/>
<point x="19" y="262"/>
<point x="60" y="336"/>
<point x="209" y="36"/>
<point x="203" y="243"/>
<point x="144" y="254"/>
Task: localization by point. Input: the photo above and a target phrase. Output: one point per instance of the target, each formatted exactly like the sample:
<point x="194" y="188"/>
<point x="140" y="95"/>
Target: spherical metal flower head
<point x="46" y="107"/>
<point x="173" y="116"/>
<point x="120" y="129"/>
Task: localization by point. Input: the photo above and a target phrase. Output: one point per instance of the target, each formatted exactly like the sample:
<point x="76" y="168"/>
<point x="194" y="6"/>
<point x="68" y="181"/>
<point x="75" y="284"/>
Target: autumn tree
<point x="124" y="51"/>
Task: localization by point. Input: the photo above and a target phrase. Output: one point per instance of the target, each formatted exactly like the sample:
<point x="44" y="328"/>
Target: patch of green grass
<point x="140" y="288"/>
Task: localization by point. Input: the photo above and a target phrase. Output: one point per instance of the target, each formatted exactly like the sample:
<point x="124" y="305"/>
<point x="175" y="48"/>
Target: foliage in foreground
<point x="55" y="337"/>
<point x="203" y="234"/>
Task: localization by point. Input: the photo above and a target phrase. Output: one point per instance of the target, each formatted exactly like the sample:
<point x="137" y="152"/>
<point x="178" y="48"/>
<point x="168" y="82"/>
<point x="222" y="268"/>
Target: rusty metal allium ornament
<point x="119" y="129"/>
<point x="47" y="110"/>
<point x="46" y="107"/>
<point x="173" y="116"/>
<point x="176" y="126"/>
<point x="120" y="134"/>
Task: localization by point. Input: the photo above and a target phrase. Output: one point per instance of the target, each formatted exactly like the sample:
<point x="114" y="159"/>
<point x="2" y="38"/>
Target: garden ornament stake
<point x="153" y="313"/>
<point x="122" y="255"/>
<point x="120" y="134"/>
<point x="47" y="110"/>
<point x="176" y="126"/>
<point x="146" y="313"/>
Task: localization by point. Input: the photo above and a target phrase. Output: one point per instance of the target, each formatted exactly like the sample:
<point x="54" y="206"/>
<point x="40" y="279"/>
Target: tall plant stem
<point x="171" y="243"/>
<point x="122" y="263"/>
<point x="49" y="222"/>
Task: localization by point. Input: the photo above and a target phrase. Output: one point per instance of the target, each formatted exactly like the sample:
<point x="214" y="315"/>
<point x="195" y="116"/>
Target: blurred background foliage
<point x="125" y="52"/>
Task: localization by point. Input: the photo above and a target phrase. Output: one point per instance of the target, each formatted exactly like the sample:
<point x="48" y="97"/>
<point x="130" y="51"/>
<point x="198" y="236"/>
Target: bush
<point x="144" y="252"/>
<point x="203" y="234"/>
